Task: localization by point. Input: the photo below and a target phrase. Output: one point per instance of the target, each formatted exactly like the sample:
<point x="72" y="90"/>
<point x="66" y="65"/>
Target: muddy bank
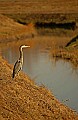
<point x="22" y="99"/>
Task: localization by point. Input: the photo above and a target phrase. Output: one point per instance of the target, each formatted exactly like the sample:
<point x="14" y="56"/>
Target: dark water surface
<point x="60" y="76"/>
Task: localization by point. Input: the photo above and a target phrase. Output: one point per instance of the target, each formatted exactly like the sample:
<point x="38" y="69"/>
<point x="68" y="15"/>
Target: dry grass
<point x="38" y="6"/>
<point x="22" y="99"/>
<point x="40" y="10"/>
<point x="69" y="55"/>
<point x="10" y="30"/>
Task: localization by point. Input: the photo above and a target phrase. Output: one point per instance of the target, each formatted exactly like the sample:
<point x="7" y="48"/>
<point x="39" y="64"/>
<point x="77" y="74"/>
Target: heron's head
<point x="23" y="46"/>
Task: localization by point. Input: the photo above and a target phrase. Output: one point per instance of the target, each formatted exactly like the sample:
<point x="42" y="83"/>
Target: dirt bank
<point x="22" y="99"/>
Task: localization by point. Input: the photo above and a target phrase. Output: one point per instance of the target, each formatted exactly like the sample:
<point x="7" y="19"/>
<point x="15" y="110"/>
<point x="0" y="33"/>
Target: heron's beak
<point x="27" y="46"/>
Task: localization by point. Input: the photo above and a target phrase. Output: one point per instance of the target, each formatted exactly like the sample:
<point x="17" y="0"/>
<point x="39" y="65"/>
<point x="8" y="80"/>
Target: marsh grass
<point x="66" y="54"/>
<point x="57" y="44"/>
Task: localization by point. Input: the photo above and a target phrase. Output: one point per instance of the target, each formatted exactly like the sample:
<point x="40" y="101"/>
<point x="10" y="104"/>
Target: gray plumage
<point x="19" y="63"/>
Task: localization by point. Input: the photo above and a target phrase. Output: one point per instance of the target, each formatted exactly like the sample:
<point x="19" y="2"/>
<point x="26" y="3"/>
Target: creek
<point x="59" y="76"/>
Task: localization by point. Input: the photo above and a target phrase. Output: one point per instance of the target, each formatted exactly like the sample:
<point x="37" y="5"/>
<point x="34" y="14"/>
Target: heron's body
<point x="19" y="63"/>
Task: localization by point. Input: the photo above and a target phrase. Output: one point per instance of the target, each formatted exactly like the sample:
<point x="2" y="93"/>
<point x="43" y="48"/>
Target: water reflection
<point x="57" y="76"/>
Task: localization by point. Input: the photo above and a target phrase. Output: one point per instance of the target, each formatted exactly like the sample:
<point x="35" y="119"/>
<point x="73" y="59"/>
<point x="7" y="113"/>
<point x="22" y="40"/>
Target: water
<point x="58" y="76"/>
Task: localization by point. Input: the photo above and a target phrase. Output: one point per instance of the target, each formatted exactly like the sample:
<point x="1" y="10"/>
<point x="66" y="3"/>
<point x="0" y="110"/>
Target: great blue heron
<point x="19" y="63"/>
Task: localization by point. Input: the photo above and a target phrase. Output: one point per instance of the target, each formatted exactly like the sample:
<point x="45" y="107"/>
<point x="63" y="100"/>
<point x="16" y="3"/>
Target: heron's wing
<point x="17" y="67"/>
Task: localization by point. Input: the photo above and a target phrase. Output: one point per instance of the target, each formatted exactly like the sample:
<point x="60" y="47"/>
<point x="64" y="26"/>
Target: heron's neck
<point x="21" y="55"/>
